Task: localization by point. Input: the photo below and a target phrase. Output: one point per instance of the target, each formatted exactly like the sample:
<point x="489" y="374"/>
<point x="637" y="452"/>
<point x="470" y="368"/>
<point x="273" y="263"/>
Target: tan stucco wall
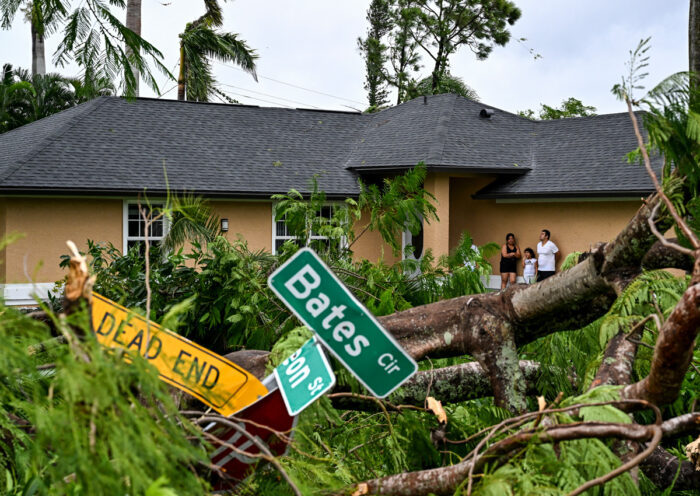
<point x="437" y="233"/>
<point x="370" y="245"/>
<point x="575" y="225"/>
<point x="47" y="224"/>
<point x="3" y="233"/>
<point x="250" y="220"/>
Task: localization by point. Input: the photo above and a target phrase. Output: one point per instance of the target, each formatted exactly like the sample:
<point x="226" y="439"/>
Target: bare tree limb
<point x="672" y="353"/>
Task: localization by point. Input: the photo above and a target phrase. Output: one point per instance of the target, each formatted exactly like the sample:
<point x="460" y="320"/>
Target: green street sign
<point x="310" y="289"/>
<point x="304" y="377"/>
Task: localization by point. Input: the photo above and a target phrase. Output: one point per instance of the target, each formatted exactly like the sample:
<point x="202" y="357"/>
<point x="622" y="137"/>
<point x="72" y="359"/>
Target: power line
<point x="259" y="99"/>
<point x="294" y="85"/>
<point x="271" y="96"/>
<point x="171" y="89"/>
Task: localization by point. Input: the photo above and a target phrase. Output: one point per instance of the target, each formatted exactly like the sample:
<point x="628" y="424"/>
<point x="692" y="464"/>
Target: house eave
<point x="631" y="194"/>
<point x="111" y="193"/>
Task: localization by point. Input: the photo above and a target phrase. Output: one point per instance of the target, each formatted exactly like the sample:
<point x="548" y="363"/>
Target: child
<point x="529" y="266"/>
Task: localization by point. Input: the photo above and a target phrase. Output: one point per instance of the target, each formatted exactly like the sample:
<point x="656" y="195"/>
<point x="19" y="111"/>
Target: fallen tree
<point x="493" y="328"/>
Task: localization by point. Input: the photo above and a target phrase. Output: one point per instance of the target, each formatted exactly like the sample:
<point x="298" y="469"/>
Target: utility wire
<point x="271" y="96"/>
<point x="259" y="99"/>
<point x="292" y="85"/>
<point x="165" y="93"/>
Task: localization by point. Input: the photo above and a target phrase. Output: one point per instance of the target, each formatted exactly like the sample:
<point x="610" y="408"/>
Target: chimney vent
<point x="486" y="113"/>
<point x="425" y="99"/>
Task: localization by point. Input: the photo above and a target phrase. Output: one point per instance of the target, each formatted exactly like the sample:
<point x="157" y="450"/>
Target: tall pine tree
<point x="375" y="53"/>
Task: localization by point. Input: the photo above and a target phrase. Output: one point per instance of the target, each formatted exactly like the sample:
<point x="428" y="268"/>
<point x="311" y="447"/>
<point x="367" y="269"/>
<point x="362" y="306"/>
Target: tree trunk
<point x="181" y="76"/>
<point x="437" y="70"/>
<point x="133" y="22"/>
<point x="694" y="38"/>
<point x="38" y="52"/>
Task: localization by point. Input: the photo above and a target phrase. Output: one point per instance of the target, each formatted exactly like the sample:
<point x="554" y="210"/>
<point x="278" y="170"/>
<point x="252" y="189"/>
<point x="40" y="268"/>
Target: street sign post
<point x="259" y="421"/>
<point x="318" y="298"/>
<point x="211" y="378"/>
<point x="304" y="377"/>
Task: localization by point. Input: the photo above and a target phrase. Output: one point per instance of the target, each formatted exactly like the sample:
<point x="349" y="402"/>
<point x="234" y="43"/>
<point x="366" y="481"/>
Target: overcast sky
<point x="311" y="44"/>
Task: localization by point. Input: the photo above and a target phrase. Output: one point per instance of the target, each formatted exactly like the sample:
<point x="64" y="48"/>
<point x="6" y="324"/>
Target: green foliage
<point x="451" y="24"/>
<point x="217" y="294"/>
<point x="25" y="98"/>
<point x="105" y="49"/>
<point x="570" y="107"/>
<point x="323" y="227"/>
<point x="404" y="55"/>
<point x="374" y="52"/>
<point x="190" y="219"/>
<point x="570" y="260"/>
<point x="92" y="423"/>
<point x="446" y="84"/>
<point x="401" y="203"/>
<point x="540" y="469"/>
<point x="201" y="41"/>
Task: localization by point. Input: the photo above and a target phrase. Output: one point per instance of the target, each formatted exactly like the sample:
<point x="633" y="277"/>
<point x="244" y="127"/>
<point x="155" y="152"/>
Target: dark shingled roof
<point x="579" y="157"/>
<point x="111" y="145"/>
<point x="445" y="132"/>
<point x="114" y="146"/>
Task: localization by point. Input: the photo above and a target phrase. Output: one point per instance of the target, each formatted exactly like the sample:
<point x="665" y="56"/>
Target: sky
<point x="309" y="58"/>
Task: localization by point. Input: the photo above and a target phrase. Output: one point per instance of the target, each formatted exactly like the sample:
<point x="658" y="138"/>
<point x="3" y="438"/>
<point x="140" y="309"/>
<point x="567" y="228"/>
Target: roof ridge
<point x="436" y="150"/>
<point x="590" y="117"/>
<point x="96" y="103"/>
<point x="232" y="105"/>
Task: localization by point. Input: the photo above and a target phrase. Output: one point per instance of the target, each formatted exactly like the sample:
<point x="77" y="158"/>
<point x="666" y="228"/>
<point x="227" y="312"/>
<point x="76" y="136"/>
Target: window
<point x="135" y="226"/>
<point x="281" y="234"/>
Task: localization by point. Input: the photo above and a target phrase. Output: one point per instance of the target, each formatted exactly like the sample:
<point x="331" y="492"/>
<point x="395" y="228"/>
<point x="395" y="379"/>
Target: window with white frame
<point x="135" y="225"/>
<point x="281" y="234"/>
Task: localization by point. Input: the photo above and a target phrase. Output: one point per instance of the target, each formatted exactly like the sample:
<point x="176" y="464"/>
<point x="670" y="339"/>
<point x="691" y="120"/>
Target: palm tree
<point x="46" y="94"/>
<point x="133" y="22"/>
<point x="447" y="84"/>
<point x="190" y="218"/>
<point x="43" y="16"/>
<point x="198" y="43"/>
<point x="25" y="98"/>
<point x="11" y="93"/>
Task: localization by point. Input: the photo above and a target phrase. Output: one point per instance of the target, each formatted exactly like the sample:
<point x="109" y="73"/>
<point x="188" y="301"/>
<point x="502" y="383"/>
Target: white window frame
<point x="125" y="224"/>
<point x="287" y="237"/>
<point x="407" y="239"/>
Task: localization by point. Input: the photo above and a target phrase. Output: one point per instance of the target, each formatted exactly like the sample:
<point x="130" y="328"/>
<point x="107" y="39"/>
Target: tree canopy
<point x="571" y="107"/>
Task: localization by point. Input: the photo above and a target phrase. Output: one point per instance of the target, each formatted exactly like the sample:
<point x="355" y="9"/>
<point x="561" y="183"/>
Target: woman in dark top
<point x="510" y="253"/>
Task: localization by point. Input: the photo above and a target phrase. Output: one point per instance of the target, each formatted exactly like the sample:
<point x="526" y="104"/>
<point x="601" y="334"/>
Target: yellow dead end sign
<point x="211" y="378"/>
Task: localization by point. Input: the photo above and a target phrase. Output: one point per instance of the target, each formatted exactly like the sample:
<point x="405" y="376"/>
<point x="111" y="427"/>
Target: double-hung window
<point x="135" y="225"/>
<point x="281" y="234"/>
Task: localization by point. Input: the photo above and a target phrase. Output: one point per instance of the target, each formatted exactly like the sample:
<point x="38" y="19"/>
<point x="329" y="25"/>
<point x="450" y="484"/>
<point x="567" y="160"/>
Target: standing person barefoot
<point x="510" y="253"/>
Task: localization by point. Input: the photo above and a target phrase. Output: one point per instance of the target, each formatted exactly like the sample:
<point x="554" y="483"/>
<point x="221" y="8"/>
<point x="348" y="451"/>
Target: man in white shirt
<point x="546" y="256"/>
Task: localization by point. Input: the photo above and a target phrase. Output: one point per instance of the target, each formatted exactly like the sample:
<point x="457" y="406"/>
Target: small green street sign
<point x="310" y="289"/>
<point x="304" y="377"/>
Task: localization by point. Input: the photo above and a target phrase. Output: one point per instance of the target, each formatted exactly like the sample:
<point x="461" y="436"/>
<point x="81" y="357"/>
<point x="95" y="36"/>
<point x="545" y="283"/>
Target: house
<point x="76" y="175"/>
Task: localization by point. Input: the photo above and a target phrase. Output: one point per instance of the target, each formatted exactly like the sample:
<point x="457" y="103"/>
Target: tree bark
<point x="694" y="39"/>
<point x="38" y="51"/>
<point x="490" y="326"/>
<point x="181" y="75"/>
<point x="661" y="468"/>
<point x="133" y="22"/>
<point x="672" y="353"/>
<point x="664" y="257"/>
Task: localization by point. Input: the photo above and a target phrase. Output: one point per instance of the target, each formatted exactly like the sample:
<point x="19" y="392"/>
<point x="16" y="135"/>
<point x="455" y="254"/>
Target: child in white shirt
<point x="529" y="266"/>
